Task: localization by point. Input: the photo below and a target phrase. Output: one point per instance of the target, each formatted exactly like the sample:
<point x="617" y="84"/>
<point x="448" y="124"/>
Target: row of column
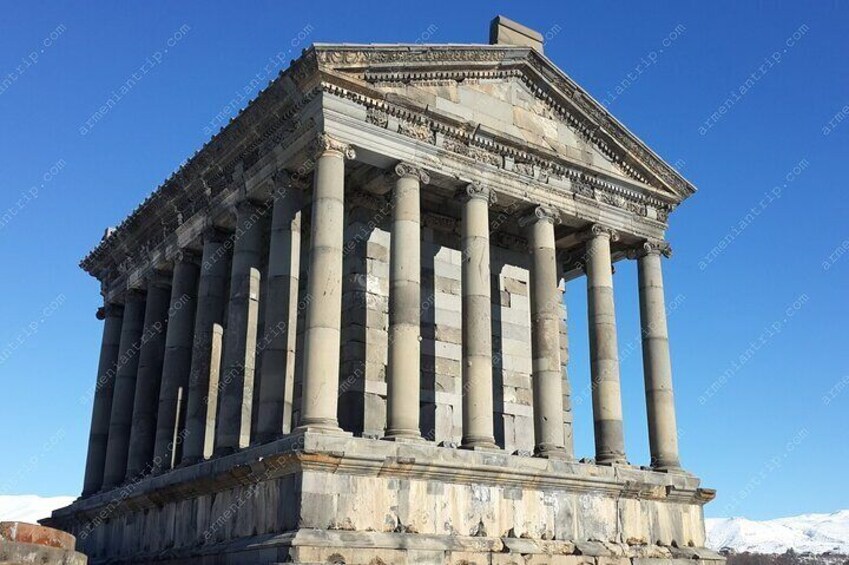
<point x="403" y="371"/>
<point x="159" y="368"/>
<point x="165" y="359"/>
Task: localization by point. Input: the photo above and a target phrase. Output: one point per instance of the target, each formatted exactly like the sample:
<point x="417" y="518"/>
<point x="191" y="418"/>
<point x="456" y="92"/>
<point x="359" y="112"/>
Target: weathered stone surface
<point x="424" y="303"/>
<point x="22" y="543"/>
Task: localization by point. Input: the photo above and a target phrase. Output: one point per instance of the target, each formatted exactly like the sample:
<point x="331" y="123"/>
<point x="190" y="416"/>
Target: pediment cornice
<point x="386" y="64"/>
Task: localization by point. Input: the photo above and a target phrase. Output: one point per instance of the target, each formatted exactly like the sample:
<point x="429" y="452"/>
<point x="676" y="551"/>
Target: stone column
<point x="121" y="415"/>
<point x="404" y="360"/>
<point x="233" y="423"/>
<point x="657" y="368"/>
<point x="478" y="424"/>
<point x="545" y="335"/>
<point x="277" y="381"/>
<point x="178" y="356"/>
<point x="112" y="314"/>
<point x="320" y="396"/>
<point x="604" y="355"/>
<point x="212" y="395"/>
<point x="211" y="302"/>
<point x="149" y="379"/>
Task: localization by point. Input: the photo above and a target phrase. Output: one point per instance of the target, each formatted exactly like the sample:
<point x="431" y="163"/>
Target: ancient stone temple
<point x="337" y="333"/>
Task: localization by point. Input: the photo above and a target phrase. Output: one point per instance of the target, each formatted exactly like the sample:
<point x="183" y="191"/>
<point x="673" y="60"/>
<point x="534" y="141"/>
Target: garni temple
<point x="337" y="334"/>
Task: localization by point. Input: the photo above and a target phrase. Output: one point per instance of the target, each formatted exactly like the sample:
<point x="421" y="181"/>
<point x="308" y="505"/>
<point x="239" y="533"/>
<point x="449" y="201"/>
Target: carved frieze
<point x="377" y="117"/>
<point x="420" y="131"/>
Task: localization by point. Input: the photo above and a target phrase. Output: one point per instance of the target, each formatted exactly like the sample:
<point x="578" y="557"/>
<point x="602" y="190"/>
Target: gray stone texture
<point x="233" y="420"/>
<point x="177" y="363"/>
<point x="102" y="406"/>
<point x="132" y="330"/>
<point x="211" y="306"/>
<point x="149" y="377"/>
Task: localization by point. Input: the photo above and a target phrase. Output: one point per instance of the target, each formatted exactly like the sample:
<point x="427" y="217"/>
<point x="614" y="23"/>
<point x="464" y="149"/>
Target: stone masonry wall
<point x="365" y="321"/>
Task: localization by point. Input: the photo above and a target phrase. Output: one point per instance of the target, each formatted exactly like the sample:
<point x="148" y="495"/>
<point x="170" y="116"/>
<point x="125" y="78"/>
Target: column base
<point x="617" y="459"/>
<point x="551" y="452"/>
<point x="403" y="436"/>
<point x="188" y="462"/>
<point x="668" y="468"/>
<point x="479" y="444"/>
<point x="319" y="428"/>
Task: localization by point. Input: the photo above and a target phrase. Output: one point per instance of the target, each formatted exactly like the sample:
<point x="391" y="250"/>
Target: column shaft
<point x="604" y="355"/>
<point x="102" y="406"/>
<point x="277" y="381"/>
<point x="149" y="379"/>
<point x="320" y="396"/>
<point x="404" y="359"/>
<point x="478" y="424"/>
<point x="178" y="359"/>
<point x="233" y="423"/>
<point x="120" y="419"/>
<point x="568" y="415"/>
<point x="657" y="368"/>
<point x="545" y="337"/>
<point x="217" y="346"/>
<point x="211" y="303"/>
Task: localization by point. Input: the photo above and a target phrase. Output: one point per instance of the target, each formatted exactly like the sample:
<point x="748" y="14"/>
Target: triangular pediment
<point x="514" y="92"/>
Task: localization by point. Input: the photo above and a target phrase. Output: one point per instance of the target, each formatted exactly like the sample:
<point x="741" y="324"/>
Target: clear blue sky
<point x="764" y="435"/>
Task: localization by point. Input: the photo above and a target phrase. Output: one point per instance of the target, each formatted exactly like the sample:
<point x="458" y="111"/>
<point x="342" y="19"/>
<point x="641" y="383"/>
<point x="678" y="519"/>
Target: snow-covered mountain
<point x="30" y="507"/>
<point x="816" y="533"/>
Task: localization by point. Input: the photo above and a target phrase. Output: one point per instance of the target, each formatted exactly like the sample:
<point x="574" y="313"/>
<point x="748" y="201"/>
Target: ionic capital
<point x="214" y="234"/>
<point x="599" y="230"/>
<point x="186" y="255"/>
<point x="158" y="278"/>
<point x="137" y="293"/>
<point x="650" y="247"/>
<point x="325" y="144"/>
<point x="110" y="310"/>
<point x="475" y="190"/>
<point x="541" y="213"/>
<point x="407" y="170"/>
<point x="570" y="261"/>
<point x="283" y="179"/>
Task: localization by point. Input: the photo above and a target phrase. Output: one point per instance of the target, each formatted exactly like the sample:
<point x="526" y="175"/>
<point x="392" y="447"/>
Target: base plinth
<point x="328" y="498"/>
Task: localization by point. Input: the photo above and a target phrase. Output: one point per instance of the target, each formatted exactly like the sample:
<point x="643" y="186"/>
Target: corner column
<point x="146" y="400"/>
<point x="404" y="357"/>
<point x="233" y="425"/>
<point x="320" y="396"/>
<point x="545" y="335"/>
<point x="657" y="367"/>
<point x="178" y="358"/>
<point x="604" y="354"/>
<point x="211" y="302"/>
<point x="112" y="314"/>
<point x="478" y="424"/>
<point x="121" y="413"/>
<point x="277" y="380"/>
